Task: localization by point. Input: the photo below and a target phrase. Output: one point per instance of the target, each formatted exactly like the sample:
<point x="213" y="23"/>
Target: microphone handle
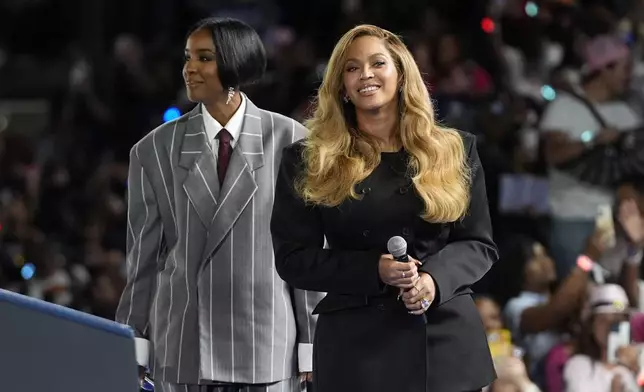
<point x="403" y="259"/>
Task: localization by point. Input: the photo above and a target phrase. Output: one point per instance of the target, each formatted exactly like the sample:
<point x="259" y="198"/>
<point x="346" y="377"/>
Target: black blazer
<point x="456" y="255"/>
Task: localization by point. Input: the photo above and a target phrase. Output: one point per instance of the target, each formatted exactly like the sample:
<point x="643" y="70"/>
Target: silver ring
<point x="424" y="303"/>
<point x="403" y="274"/>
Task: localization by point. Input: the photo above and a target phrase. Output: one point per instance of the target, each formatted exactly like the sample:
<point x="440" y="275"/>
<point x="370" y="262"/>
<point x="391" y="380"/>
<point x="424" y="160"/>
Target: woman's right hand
<point x="398" y="274"/>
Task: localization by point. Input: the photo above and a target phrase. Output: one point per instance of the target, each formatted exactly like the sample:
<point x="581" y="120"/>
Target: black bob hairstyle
<point x="239" y="52"/>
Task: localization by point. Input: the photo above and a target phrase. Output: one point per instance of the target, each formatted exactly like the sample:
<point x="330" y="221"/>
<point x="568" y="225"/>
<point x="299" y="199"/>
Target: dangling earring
<point x="231" y="94"/>
<point x="346" y="99"/>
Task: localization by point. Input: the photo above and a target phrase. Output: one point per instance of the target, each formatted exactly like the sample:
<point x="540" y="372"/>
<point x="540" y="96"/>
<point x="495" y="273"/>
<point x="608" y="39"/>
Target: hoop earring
<point x="231" y="94"/>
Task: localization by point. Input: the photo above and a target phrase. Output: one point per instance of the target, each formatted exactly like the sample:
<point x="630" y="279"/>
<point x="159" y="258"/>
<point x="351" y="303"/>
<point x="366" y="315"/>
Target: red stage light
<point x="487" y="25"/>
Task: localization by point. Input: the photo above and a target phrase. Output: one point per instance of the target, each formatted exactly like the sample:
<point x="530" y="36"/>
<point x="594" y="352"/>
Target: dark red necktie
<point x="223" y="155"/>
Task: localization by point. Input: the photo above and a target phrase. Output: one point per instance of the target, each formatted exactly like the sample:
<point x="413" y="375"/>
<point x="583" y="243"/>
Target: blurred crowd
<point x="510" y="71"/>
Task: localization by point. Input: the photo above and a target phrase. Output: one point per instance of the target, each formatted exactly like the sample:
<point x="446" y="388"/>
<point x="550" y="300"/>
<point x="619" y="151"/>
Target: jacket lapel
<point x="239" y="184"/>
<point x="201" y="184"/>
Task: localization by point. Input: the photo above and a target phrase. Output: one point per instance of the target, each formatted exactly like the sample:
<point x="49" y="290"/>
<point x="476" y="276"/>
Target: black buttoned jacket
<point x="365" y="339"/>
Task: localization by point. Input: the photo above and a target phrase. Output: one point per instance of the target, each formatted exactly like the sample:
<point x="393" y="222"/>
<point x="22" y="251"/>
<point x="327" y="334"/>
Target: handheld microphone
<point x="397" y="246"/>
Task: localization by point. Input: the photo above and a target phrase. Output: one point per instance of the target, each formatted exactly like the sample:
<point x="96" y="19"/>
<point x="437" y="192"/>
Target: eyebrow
<point x="370" y="56"/>
<point x="200" y="50"/>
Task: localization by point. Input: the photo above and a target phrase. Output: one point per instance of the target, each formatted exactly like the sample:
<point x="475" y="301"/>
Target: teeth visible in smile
<point x="369" y="89"/>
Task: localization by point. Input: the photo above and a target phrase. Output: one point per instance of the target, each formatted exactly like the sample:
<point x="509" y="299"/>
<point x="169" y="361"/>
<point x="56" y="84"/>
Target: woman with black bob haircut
<point x="238" y="54"/>
<point x="202" y="292"/>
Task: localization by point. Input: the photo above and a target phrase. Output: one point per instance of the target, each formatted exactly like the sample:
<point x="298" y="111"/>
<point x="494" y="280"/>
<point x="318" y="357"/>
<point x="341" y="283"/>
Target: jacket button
<point x="406" y="231"/>
<point x="366" y="233"/>
<point x="381" y="307"/>
<point x="402" y="190"/>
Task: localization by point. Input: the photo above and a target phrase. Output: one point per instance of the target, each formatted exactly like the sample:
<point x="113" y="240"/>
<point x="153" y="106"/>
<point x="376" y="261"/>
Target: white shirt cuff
<point x="305" y="357"/>
<point x="142" y="350"/>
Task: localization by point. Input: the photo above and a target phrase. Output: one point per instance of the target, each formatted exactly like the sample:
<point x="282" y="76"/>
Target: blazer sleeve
<point x="304" y="301"/>
<point x="470" y="250"/>
<point x="144" y="242"/>
<point x="298" y="241"/>
<point x="303" y="304"/>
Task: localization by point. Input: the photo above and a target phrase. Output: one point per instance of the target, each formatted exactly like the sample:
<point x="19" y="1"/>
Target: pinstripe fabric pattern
<point x="202" y="286"/>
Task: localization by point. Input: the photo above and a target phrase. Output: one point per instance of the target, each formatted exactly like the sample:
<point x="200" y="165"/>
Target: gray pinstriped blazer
<point x="202" y="285"/>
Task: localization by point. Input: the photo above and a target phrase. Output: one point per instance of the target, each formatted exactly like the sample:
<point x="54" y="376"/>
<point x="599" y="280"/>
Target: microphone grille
<point x="397" y="246"/>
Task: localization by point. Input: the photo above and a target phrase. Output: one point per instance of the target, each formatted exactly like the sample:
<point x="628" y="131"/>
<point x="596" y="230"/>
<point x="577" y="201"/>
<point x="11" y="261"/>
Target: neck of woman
<point x="222" y="111"/>
<point x="382" y="126"/>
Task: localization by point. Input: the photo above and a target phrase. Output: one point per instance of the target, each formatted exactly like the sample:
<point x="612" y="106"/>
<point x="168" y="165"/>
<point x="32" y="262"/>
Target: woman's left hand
<point x="418" y="298"/>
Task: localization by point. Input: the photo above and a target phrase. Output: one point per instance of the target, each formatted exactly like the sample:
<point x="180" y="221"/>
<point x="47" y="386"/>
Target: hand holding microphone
<point x="419" y="296"/>
<point x="397" y="269"/>
<point x="397" y="274"/>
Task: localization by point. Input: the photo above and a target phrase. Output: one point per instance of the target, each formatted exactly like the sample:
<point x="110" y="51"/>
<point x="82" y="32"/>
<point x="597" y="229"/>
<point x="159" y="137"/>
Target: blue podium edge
<point x="72" y="315"/>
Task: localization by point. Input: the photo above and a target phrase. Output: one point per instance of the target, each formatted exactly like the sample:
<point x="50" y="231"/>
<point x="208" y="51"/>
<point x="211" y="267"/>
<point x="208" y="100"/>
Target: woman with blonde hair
<point x="376" y="165"/>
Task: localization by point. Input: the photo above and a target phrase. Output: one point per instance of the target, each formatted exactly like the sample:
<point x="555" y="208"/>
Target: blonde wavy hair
<point x="337" y="155"/>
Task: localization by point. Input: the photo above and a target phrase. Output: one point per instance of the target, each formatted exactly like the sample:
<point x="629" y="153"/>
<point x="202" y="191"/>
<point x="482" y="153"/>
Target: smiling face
<point x="200" y="68"/>
<point x="370" y="76"/>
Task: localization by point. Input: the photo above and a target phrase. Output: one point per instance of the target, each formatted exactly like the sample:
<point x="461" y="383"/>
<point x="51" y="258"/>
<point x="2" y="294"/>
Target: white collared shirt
<point x="234" y="125"/>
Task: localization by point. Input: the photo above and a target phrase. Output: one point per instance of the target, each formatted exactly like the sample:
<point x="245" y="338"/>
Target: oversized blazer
<point x="365" y="339"/>
<point x="202" y="285"/>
